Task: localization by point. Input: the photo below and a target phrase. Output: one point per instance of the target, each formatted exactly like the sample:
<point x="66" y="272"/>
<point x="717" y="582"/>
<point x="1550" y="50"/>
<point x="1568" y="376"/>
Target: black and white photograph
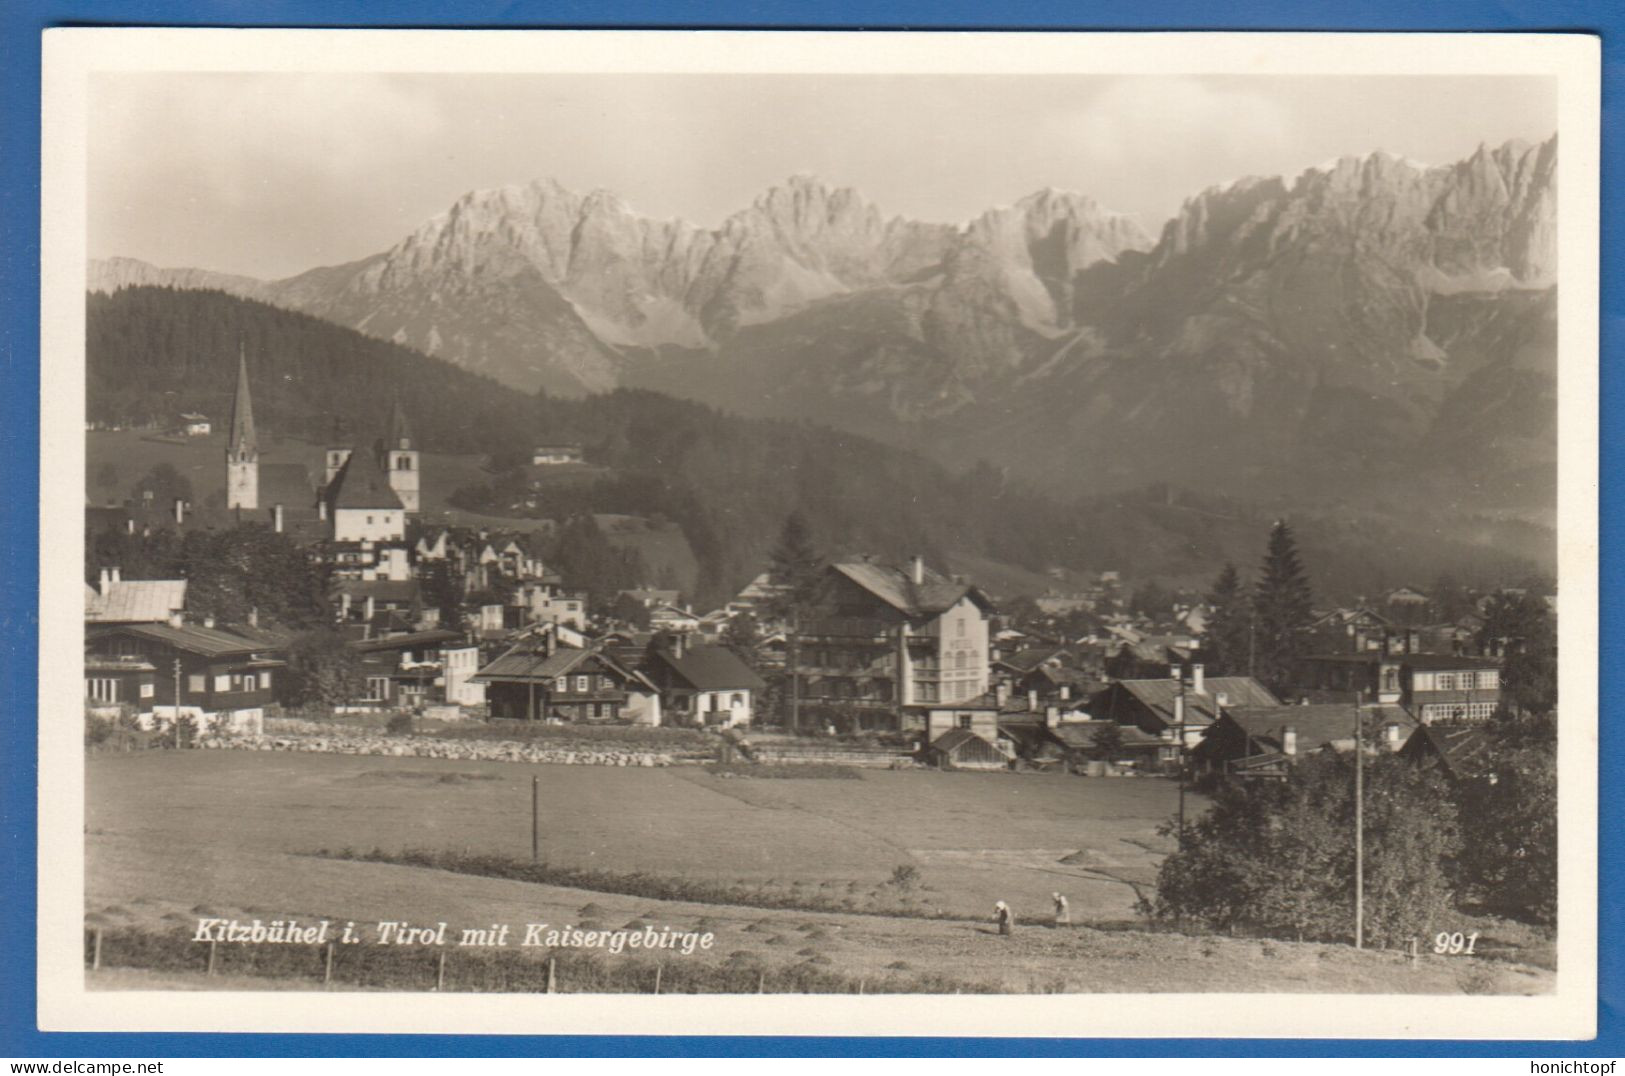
<point x="712" y="524"/>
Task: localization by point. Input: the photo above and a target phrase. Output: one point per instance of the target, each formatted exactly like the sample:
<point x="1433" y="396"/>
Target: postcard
<point x="819" y="533"/>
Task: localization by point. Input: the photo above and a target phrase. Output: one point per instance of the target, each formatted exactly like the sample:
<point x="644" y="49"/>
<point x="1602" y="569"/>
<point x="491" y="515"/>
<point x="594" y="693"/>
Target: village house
<point x="1162" y="707"/>
<point x="889" y="643"/>
<point x="1262" y="741"/>
<point x="1431" y="687"/>
<point x="555" y="454"/>
<point x="706" y="686"/>
<point x="962" y="749"/>
<point x="544" y="601"/>
<point x="414" y="669"/>
<point x="1141" y="657"/>
<point x="672" y="618"/>
<point x="379" y="606"/>
<point x="1360" y="631"/>
<point x="649" y="597"/>
<point x="760" y="597"/>
<point x="221" y="677"/>
<point x="433" y="545"/>
<point x="538" y="681"/>
<point x="360" y="504"/>
<point x="192" y="424"/>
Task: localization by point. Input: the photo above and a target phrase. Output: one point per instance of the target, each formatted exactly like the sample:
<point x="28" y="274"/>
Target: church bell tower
<point x="243" y="449"/>
<point x="401" y="460"/>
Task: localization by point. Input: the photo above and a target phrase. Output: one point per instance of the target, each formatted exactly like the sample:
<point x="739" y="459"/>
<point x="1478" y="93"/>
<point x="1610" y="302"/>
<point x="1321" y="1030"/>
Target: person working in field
<point x="1004" y="917"/>
<point x="1063" y="913"/>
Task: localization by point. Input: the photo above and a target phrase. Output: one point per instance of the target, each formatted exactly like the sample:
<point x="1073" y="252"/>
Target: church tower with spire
<point x="400" y="459"/>
<point x="243" y="449"/>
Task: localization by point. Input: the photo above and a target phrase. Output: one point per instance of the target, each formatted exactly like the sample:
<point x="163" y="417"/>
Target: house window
<point x="265" y="681"/>
<point x="738" y="701"/>
<point x="102" y="689"/>
<point x="964" y="720"/>
<point x="583" y="683"/>
<point x="959" y="627"/>
<point x="562" y="684"/>
<point x="222" y="682"/>
<point x="146" y="691"/>
<point x="1489" y="678"/>
<point x="196" y="683"/>
<point x="377" y="689"/>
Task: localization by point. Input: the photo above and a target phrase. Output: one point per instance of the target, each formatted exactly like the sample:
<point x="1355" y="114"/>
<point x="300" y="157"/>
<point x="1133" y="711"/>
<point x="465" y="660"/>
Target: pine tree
<point x="795" y="562"/>
<point x="1226" y="642"/>
<point x="1281" y="608"/>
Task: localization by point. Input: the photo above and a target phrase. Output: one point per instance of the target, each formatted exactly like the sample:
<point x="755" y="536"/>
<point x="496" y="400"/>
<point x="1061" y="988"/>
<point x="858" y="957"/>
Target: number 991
<point x="1446" y="943"/>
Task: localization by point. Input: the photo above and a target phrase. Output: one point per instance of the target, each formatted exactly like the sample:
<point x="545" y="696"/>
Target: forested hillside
<point x="728" y="481"/>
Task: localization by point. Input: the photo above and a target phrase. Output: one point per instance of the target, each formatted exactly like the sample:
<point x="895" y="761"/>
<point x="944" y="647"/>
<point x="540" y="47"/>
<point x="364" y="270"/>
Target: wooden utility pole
<point x="177" y="702"/>
<point x="794" y="670"/>
<point x="1359" y="830"/>
<point x="1179" y="756"/>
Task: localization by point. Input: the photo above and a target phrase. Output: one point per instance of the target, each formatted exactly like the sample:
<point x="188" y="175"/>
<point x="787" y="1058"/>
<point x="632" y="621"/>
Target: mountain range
<point x="1372" y="330"/>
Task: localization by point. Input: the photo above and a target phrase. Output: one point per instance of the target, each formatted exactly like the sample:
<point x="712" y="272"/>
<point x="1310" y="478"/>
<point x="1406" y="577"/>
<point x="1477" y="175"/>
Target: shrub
<point x="399" y="725"/>
<point x="1277" y="857"/>
<point x="905" y="876"/>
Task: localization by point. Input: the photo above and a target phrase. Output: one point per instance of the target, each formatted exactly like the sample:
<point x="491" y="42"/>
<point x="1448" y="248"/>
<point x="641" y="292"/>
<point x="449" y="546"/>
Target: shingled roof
<point x="135" y="601"/>
<point x="710" y="668"/>
<point x="1316" y="726"/>
<point x="1200" y="707"/>
<point x="193" y="638"/>
<point x="534" y="665"/>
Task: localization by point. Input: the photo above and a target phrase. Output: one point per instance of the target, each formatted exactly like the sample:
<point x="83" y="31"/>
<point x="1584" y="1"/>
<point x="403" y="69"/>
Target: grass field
<point x="175" y="835"/>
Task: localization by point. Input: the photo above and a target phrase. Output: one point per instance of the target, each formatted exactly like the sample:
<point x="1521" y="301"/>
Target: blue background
<point x="22" y="21"/>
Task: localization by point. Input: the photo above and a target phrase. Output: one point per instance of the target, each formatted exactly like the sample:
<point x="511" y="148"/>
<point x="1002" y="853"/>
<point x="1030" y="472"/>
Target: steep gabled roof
<point x="711" y="668"/>
<point x="1463" y="750"/>
<point x="360" y="485"/>
<point x="965" y="743"/>
<point x="934" y="595"/>
<point x="1200" y="707"/>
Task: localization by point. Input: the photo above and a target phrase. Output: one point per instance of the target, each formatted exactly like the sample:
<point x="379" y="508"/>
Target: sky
<point x="272" y="174"/>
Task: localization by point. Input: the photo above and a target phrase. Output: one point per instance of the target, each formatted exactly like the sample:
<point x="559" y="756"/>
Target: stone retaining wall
<point x="429" y="747"/>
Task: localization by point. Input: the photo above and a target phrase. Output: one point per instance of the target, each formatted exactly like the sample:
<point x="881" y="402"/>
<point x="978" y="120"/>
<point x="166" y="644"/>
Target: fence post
<point x="440" y="972"/>
<point x="761" y="982"/>
<point x="552" y="980"/>
<point x="658" y="969"/>
<point x="211" y="957"/>
<point x="1415" y="956"/>
<point x="862" y="983"/>
<point x="327" y="972"/>
<point x="96" y="951"/>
